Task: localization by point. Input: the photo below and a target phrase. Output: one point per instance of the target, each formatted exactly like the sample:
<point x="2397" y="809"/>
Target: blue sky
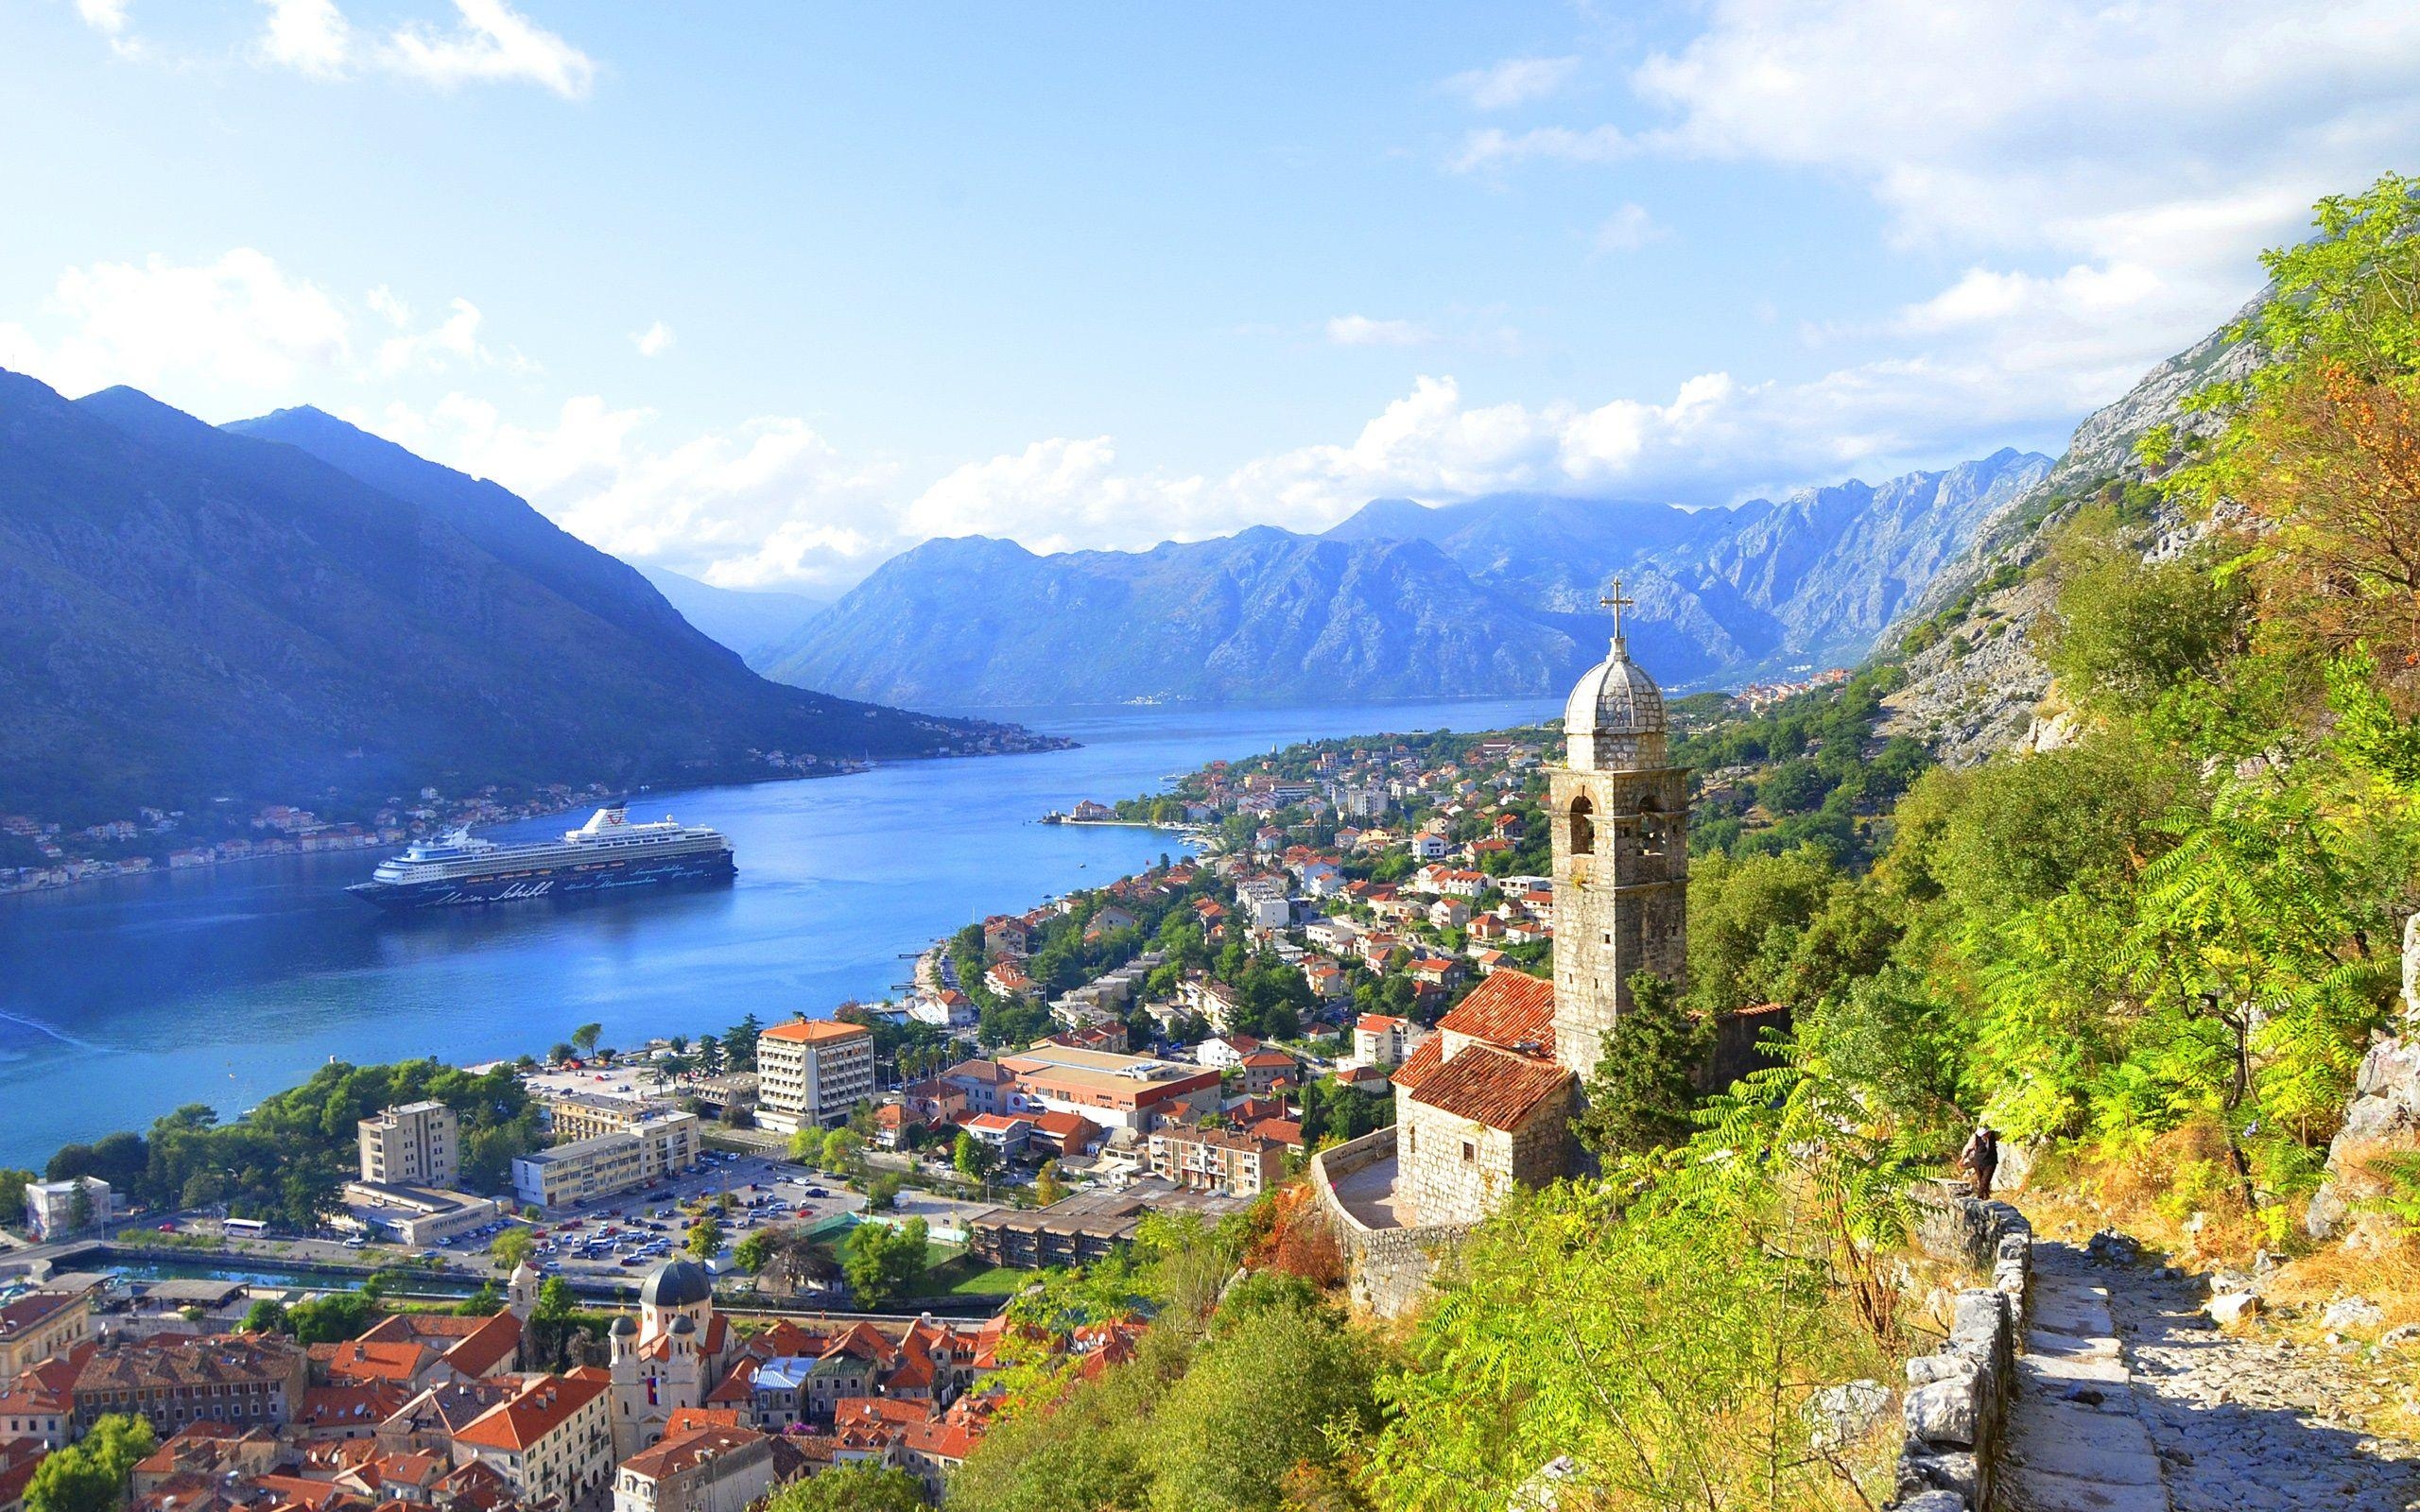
<point x="765" y="293"/>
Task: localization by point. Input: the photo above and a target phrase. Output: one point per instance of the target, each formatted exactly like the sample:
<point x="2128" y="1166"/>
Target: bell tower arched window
<point x="1583" y="826"/>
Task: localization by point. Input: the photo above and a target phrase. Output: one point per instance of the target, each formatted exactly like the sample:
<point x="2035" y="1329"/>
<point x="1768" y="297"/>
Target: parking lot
<point x="635" y="1230"/>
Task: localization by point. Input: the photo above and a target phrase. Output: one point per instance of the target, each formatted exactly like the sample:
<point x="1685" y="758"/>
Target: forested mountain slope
<point x="188" y="614"/>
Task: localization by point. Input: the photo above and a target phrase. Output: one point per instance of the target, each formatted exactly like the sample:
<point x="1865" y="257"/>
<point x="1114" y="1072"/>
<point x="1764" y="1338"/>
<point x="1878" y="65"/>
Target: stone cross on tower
<point x="1614" y="601"/>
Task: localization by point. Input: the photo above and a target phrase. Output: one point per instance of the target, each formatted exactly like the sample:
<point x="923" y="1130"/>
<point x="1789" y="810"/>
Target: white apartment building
<point x="811" y="1073"/>
<point x="584" y="1170"/>
<point x="417" y="1144"/>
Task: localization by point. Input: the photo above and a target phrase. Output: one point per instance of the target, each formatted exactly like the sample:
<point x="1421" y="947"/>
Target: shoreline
<point x="288" y="849"/>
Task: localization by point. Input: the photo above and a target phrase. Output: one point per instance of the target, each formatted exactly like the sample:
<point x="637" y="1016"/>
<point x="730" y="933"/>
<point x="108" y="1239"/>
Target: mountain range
<point x="291" y="608"/>
<point x="748" y="620"/>
<point x="1498" y="596"/>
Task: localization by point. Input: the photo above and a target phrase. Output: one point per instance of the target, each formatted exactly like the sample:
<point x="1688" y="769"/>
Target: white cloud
<point x="495" y="44"/>
<point x="114" y="19"/>
<point x="234" y="334"/>
<point x="654" y="341"/>
<point x="309" y="35"/>
<point x="1494" y="147"/>
<point x="1513" y="81"/>
<point x="1627" y="229"/>
<point x="239" y="322"/>
<point x="1360" y="331"/>
<point x="2109" y="170"/>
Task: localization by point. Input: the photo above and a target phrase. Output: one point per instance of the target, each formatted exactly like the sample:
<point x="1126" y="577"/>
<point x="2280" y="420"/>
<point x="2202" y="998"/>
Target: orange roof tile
<point x="1493" y="1086"/>
<point x="543" y="1406"/>
<point x="1508" y="1008"/>
<point x="495" y="1340"/>
<point x="1422" y="1062"/>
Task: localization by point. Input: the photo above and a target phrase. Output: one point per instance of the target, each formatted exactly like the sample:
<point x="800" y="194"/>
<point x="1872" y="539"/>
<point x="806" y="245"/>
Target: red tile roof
<point x="493" y="1341"/>
<point x="1422" y="1062"/>
<point x="543" y="1406"/>
<point x="1508" y="1008"/>
<point x="1493" y="1086"/>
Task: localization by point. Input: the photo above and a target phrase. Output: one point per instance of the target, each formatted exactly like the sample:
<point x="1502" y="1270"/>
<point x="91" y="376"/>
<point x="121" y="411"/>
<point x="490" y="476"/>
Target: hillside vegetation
<point x="2152" y="950"/>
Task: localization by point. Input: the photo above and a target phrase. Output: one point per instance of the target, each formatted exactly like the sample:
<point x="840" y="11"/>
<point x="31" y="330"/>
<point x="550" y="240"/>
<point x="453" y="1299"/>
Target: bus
<point x="246" y="1228"/>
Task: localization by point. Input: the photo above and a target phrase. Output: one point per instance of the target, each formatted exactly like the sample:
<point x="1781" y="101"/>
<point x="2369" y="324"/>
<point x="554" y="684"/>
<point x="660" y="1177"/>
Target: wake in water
<point x="52" y="1031"/>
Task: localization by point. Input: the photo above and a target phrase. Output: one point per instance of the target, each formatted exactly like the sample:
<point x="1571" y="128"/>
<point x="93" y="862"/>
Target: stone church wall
<point x="1389" y="1267"/>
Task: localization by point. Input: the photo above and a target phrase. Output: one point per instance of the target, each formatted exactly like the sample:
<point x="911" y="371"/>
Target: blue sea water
<point x="122" y="1000"/>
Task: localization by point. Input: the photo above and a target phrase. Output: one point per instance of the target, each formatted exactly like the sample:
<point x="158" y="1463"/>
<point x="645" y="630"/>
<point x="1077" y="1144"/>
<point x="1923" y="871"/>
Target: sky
<point x="767" y="293"/>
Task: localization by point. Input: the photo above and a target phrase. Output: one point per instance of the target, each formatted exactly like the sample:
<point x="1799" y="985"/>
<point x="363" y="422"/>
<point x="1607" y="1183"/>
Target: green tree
<point x="1228" y="1440"/>
<point x="857" y="1487"/>
<point x="93" y="1475"/>
<point x="973" y="1157"/>
<point x="511" y="1248"/>
<point x="556" y="1303"/>
<point x="841" y="1149"/>
<point x="705" y="1238"/>
<point x="268" y="1315"/>
<point x="884" y="1262"/>
<point x="1646" y="1088"/>
<point x="584" y="1037"/>
<point x="13" y="1194"/>
<point x="333" y="1318"/>
<point x="753" y="1252"/>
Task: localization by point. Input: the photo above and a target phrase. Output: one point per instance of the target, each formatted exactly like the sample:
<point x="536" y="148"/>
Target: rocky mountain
<point x="189" y="613"/>
<point x="1974" y="685"/>
<point x="1496" y="595"/>
<point x="749" y="620"/>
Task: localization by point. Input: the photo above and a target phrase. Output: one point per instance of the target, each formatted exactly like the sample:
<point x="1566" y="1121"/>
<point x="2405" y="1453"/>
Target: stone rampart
<point x="1387" y="1267"/>
<point x="1956" y="1400"/>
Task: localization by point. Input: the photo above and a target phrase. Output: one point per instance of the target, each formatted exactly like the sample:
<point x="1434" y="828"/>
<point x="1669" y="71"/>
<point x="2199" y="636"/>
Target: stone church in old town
<point x="1486" y="1103"/>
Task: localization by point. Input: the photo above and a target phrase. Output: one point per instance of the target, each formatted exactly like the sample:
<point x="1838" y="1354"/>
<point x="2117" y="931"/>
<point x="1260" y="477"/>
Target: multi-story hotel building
<point x="811" y="1073"/>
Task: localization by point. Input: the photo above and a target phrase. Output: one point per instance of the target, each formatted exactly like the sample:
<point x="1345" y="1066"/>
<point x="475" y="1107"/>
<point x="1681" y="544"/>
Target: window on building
<point x="1470" y="1153"/>
<point x="1583" y="826"/>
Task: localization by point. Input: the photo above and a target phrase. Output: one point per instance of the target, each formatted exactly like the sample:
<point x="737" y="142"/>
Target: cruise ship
<point x="607" y="853"/>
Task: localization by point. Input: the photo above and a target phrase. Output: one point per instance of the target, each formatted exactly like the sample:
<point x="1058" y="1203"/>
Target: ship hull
<point x="603" y="876"/>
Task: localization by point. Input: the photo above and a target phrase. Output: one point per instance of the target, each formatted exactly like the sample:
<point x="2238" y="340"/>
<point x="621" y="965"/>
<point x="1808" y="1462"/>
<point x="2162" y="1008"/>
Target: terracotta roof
<point x="1493" y="1086"/>
<point x="1423" y="1060"/>
<point x="1285" y="1131"/>
<point x="1269" y="1057"/>
<point x="690" y="1449"/>
<point x="26" y="1312"/>
<point x="688" y="1420"/>
<point x="1508" y="1008"/>
<point x="490" y="1343"/>
<point x="543" y="1406"/>
<point x="367" y="1358"/>
<point x="813" y="1031"/>
<point x="363" y="1404"/>
<point x="1380" y="1023"/>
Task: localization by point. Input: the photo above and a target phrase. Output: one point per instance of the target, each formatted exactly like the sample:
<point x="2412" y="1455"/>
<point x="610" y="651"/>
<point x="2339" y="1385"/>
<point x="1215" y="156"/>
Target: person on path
<point x="1980" y="1159"/>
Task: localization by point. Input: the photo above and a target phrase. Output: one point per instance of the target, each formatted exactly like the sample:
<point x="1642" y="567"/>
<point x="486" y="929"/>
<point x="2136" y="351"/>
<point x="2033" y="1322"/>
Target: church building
<point x="673" y="1354"/>
<point x="1486" y="1103"/>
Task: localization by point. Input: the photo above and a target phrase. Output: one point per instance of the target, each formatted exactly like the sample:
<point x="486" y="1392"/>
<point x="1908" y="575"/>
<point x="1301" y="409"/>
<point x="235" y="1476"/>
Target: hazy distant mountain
<point x="1496" y="595"/>
<point x="747" y="620"/>
<point x="187" y="612"/>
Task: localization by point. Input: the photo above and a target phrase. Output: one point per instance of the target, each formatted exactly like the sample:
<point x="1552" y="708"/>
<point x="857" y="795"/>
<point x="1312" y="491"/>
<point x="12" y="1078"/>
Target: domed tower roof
<point x="624" y="1325"/>
<point x="1614" y="719"/>
<point x="677" y="1283"/>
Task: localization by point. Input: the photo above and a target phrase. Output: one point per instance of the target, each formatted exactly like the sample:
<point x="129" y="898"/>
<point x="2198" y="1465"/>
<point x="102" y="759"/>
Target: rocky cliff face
<point x="2382" y="1120"/>
<point x="1979" y="688"/>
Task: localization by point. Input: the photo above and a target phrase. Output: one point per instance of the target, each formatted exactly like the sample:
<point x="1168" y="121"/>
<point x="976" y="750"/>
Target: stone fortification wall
<point x="1958" y="1396"/>
<point x="1387" y="1268"/>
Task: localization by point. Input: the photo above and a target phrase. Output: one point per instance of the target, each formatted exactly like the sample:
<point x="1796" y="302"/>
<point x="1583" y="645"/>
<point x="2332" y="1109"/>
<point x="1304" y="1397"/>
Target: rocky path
<point x="2129" y="1400"/>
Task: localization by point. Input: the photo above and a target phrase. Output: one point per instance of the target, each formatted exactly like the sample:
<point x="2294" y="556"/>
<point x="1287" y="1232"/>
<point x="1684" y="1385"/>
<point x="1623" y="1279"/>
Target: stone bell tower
<point x="1621" y="854"/>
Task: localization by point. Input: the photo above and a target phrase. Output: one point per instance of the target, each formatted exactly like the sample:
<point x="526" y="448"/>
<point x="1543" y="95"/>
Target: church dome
<point x="624" y="1325"/>
<point x="678" y="1283"/>
<point x="1614" y="697"/>
<point x="682" y="1327"/>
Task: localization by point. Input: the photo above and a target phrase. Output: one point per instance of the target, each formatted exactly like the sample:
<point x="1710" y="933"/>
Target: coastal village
<point x="1346" y="935"/>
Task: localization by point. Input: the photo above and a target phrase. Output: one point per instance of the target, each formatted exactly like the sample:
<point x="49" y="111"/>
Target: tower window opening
<point x="1583" y="826"/>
